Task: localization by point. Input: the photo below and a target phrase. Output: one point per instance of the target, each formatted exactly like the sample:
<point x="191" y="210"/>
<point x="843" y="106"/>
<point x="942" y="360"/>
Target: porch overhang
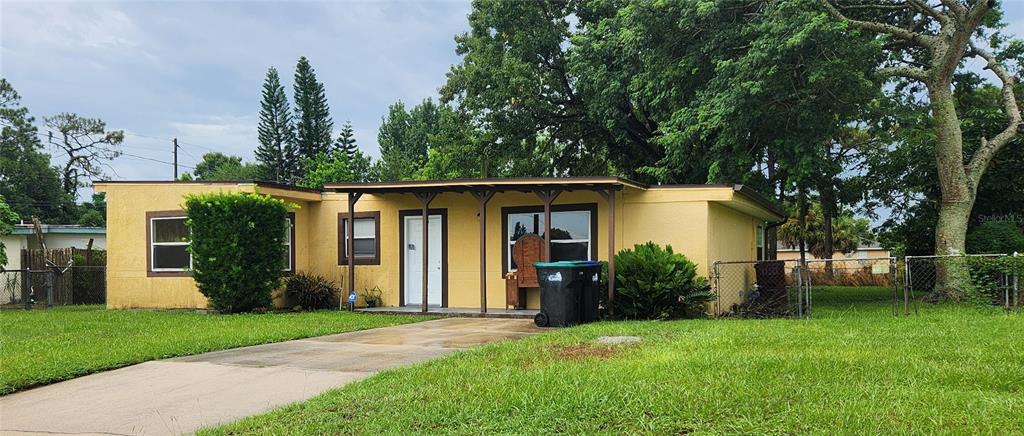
<point x="531" y="184"/>
<point x="547" y="189"/>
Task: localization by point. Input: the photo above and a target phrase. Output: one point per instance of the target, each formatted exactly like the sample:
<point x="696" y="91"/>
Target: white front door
<point x="414" y="261"/>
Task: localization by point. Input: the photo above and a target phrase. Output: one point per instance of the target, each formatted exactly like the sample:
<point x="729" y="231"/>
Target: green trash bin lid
<point x="567" y="264"/>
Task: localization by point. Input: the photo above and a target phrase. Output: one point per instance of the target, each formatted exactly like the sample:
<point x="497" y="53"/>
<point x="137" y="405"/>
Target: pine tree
<point x="313" y="119"/>
<point x="346" y="141"/>
<point x="276" y="152"/>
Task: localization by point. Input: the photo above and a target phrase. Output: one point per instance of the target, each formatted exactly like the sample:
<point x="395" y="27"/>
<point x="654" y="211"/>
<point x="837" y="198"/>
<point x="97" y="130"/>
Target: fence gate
<point x="860" y="283"/>
<point x="785" y="288"/>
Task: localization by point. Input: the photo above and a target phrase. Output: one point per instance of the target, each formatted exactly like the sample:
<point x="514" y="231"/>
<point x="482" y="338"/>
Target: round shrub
<point x="237" y="247"/>
<point x="311" y="291"/>
<point x="652" y="282"/>
<point x="995" y="237"/>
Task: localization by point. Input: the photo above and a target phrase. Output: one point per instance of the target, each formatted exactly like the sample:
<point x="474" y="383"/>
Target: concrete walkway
<point x="185" y="394"/>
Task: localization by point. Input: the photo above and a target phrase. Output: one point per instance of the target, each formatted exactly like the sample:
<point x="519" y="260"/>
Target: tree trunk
<point x="958" y="192"/>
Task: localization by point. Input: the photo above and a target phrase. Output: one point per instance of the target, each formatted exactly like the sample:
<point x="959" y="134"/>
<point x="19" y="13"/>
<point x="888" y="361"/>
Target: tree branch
<point x="989" y="147"/>
<point x="908" y="72"/>
<point x="955" y="6"/>
<point x="888" y="29"/>
<point x="923" y="7"/>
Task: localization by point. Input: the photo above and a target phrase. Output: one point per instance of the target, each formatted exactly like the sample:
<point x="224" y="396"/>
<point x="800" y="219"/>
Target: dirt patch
<point x="585" y="351"/>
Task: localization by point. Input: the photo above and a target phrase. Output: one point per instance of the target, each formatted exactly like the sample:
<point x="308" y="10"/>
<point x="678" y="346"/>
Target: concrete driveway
<point x="185" y="394"/>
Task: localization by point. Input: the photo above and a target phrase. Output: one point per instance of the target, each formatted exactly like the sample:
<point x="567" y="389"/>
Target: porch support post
<point x="609" y="196"/>
<point x="353" y="197"/>
<point x="425" y="199"/>
<point x="483" y="197"/>
<point x="548" y="197"/>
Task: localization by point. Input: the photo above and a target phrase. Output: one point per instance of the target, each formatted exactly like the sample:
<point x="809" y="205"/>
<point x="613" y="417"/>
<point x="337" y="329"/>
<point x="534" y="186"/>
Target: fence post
<point x="717" y="280"/>
<point x="799" y="292"/>
<point x="49" y="289"/>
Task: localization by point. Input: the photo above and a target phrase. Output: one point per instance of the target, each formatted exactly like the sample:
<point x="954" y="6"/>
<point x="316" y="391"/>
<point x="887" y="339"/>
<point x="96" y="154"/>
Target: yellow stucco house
<point x="472" y="225"/>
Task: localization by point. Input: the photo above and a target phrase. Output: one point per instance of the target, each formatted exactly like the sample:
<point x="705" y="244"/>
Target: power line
<point x="156" y="160"/>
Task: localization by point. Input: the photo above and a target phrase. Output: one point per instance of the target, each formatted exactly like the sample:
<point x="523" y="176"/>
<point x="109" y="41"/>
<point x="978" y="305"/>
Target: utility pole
<point x="175" y="141"/>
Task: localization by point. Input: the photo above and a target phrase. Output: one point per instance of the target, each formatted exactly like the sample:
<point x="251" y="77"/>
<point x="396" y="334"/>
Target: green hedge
<point x="237" y="247"/>
<point x="995" y="237"/>
<point x="652" y="282"/>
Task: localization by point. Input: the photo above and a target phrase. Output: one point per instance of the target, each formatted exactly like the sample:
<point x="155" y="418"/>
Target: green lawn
<point x="44" y="346"/>
<point x="852" y="369"/>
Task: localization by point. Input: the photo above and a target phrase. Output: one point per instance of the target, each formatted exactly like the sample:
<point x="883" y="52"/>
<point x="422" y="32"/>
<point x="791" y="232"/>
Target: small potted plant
<point x="372" y="297"/>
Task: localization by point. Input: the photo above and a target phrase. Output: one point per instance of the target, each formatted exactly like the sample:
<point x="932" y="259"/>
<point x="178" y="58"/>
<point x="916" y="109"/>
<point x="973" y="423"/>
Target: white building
<point x="56" y="236"/>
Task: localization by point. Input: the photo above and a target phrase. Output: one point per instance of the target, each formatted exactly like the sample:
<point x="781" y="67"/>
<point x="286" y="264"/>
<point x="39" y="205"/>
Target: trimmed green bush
<point x="652" y="282"/>
<point x="311" y="291"/>
<point x="995" y="237"/>
<point x="237" y="247"/>
<point x="88" y="280"/>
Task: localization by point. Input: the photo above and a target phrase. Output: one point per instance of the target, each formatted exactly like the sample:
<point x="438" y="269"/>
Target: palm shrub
<point x="652" y="282"/>
<point x="311" y="291"/>
<point x="237" y="247"/>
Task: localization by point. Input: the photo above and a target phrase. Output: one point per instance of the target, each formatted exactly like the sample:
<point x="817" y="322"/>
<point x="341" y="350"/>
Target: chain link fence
<point x="787" y="288"/>
<point x="759" y="289"/>
<point x="982" y="278"/>
<point x="55" y="286"/>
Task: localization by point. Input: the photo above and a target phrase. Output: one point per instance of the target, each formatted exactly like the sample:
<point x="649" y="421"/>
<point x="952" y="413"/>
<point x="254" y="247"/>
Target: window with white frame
<point x="571" y="233"/>
<point x="366" y="242"/>
<point x="169" y="241"/>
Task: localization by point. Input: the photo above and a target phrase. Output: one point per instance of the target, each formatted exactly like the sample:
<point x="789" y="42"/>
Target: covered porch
<point x="453" y="311"/>
<point x="544" y="190"/>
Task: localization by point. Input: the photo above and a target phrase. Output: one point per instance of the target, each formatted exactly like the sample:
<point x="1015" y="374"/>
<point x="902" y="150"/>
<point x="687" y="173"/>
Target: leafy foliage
<point x="346" y="141"/>
<point x="311" y="291"/>
<point x="219" y="166"/>
<point x="996" y="237"/>
<point x="313" y="124"/>
<point x="8" y="218"/>
<point x="86" y="144"/>
<point x="276" y="152"/>
<point x="237" y="247"/>
<point x="848" y="232"/>
<point x="29" y="184"/>
<point x="337" y="166"/>
<point x="89" y="284"/>
<point x="652" y="282"/>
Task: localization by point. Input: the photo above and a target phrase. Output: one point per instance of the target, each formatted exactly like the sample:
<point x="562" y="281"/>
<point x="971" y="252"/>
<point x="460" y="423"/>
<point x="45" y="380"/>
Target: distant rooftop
<point x="26" y="229"/>
<point x="873" y="246"/>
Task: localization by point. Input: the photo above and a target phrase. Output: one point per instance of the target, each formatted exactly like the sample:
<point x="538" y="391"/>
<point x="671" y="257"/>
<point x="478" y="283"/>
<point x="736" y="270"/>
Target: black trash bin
<point x="568" y="292"/>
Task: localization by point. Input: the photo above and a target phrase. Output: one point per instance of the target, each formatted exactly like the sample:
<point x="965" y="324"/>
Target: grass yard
<point x="852" y="369"/>
<point x="44" y="346"/>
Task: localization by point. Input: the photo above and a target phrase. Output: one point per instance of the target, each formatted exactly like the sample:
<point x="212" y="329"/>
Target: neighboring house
<point x="56" y="236"/>
<point x="148" y="261"/>
<point x="869" y="251"/>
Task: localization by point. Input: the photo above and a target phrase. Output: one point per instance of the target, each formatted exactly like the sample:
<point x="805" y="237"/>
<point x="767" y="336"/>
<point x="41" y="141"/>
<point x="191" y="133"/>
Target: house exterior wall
<point x="463" y="242"/>
<point x="685" y="218"/>
<point x="732" y="237"/>
<point x="13" y="244"/>
<point x="128" y="283"/>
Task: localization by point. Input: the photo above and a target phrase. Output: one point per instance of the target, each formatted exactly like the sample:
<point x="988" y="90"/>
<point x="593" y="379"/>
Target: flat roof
<point x="26" y="229"/>
<point x="260" y="183"/>
<point x="522" y="184"/>
<point x="510" y="183"/>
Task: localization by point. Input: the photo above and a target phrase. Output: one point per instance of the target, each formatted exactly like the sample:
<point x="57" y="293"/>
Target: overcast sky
<point x="193" y="70"/>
